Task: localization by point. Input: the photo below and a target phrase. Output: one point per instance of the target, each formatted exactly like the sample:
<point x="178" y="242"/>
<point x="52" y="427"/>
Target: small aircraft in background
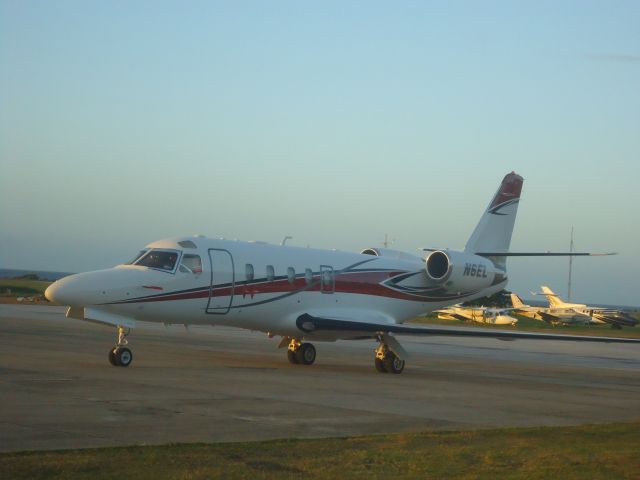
<point x="560" y="312"/>
<point x="492" y="316"/>
<point x="304" y="294"/>
<point x="552" y="315"/>
<point x="616" y="318"/>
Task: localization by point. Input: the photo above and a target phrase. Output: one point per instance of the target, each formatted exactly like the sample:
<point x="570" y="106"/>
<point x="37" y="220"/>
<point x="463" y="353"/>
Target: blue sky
<point x="333" y="122"/>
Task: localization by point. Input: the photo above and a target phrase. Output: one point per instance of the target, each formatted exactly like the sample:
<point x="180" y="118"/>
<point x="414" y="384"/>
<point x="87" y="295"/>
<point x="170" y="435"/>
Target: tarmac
<point x="218" y="384"/>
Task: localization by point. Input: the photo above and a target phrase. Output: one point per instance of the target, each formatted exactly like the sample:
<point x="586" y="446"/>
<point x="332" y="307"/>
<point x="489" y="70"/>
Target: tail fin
<point x="493" y="232"/>
<point x="516" y="301"/>
<point x="554" y="300"/>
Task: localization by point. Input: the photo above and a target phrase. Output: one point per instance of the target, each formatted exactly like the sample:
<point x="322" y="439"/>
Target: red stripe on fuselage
<point x="358" y="283"/>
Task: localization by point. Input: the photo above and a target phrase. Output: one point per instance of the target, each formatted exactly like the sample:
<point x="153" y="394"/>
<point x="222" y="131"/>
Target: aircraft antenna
<point x="570" y="267"/>
<point x="284" y="240"/>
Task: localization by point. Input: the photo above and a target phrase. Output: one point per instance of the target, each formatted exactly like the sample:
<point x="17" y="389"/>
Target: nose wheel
<point x="120" y="355"/>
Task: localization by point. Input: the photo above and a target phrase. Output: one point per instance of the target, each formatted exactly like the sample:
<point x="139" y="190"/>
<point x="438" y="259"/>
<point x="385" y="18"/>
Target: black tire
<point x="112" y="357"/>
<point x="392" y="363"/>
<point x="123" y="356"/>
<point x="291" y="355"/>
<point x="380" y="366"/>
<point x="306" y="354"/>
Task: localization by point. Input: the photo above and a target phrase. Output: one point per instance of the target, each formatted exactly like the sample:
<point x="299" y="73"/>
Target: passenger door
<point x="222" y="282"/>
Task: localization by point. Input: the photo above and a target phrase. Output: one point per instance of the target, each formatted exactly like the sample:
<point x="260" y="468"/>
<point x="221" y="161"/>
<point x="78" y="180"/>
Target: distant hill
<point x="32" y="274"/>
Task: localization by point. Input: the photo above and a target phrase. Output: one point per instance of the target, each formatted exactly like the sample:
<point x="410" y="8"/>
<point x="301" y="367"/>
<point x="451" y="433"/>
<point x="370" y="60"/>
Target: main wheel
<point x="392" y="363"/>
<point x="112" y="357"/>
<point x="291" y="355"/>
<point x="306" y="354"/>
<point x="380" y="366"/>
<point x="123" y="356"/>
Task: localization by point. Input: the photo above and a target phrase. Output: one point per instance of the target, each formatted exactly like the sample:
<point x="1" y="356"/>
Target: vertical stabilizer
<point x="554" y="300"/>
<point x="493" y="232"/>
<point x="516" y="301"/>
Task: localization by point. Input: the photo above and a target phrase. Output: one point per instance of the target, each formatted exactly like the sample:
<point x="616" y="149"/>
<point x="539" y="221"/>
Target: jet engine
<point x="460" y="271"/>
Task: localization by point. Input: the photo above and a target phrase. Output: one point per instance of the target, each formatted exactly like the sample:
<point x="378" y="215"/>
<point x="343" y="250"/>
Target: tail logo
<point x="508" y="193"/>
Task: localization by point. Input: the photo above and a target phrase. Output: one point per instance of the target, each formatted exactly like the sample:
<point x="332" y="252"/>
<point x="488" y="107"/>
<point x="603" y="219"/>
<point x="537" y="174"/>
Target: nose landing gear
<point x="121" y="356"/>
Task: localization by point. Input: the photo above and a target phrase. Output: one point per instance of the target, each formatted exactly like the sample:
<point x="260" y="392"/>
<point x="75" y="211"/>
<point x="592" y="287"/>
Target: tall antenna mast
<point x="570" y="266"/>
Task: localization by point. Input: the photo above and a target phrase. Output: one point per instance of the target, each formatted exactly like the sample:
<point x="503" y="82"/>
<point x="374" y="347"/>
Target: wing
<point x="547" y="317"/>
<point x="451" y="315"/>
<point x="457" y="316"/>
<point x="310" y="325"/>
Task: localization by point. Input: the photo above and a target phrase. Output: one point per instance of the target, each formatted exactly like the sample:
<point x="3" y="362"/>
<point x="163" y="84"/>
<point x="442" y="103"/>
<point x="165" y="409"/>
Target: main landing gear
<point x="386" y="361"/>
<point x="301" y="353"/>
<point x="121" y="356"/>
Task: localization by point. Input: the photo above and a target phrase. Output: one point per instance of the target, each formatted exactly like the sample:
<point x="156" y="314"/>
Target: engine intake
<point x="438" y="265"/>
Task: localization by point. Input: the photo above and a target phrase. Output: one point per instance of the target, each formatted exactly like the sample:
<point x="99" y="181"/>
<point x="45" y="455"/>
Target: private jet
<point x="552" y="315"/>
<point x="615" y="318"/>
<point x="303" y="294"/>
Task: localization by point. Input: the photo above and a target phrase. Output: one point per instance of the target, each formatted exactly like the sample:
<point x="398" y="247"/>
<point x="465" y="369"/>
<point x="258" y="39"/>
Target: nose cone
<point x="73" y="290"/>
<point x="61" y="293"/>
<point x="50" y="292"/>
<point x="99" y="287"/>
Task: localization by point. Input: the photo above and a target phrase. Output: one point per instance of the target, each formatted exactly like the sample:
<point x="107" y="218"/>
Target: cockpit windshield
<point x="137" y="257"/>
<point x="160" y="259"/>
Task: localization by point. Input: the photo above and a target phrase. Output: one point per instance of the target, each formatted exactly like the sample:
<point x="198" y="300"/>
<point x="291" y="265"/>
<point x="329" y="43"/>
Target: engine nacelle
<point x="459" y="271"/>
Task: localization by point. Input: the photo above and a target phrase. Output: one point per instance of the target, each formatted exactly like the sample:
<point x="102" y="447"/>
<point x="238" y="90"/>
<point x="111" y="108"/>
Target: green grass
<point x="22" y="287"/>
<point x="530" y="325"/>
<point x="593" y="451"/>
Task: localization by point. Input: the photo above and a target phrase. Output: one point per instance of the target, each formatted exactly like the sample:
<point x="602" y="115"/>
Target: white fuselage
<point x="258" y="286"/>
<point x="491" y="316"/>
<point x="561" y="314"/>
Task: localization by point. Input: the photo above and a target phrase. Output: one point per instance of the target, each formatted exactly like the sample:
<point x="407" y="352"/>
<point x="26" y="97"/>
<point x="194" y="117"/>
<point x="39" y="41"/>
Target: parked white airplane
<point x="493" y="316"/>
<point x="301" y="294"/>
<point x="616" y="318"/>
<point x="553" y="315"/>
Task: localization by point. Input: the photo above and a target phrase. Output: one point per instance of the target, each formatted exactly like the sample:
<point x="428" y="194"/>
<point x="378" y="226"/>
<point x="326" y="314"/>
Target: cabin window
<point x="248" y="272"/>
<point x="271" y="273"/>
<point x="308" y="276"/>
<point x="291" y="274"/>
<point x="191" y="263"/>
<point x="162" y="260"/>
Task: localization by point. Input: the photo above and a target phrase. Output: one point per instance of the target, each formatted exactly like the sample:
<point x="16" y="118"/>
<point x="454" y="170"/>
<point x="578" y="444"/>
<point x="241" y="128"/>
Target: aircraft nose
<point x="52" y="293"/>
<point x="64" y="292"/>
<point x="49" y="293"/>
